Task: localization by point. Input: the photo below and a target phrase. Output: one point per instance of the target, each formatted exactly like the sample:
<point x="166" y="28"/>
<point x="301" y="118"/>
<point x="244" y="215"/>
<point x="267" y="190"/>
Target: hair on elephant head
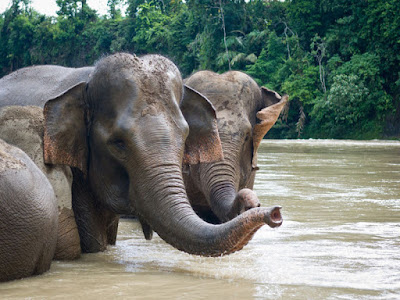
<point x="221" y="190"/>
<point x="125" y="131"/>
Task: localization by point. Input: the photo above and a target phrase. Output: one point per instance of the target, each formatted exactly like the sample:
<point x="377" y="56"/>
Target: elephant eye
<point x="117" y="148"/>
<point x="247" y="136"/>
<point x="120" y="144"/>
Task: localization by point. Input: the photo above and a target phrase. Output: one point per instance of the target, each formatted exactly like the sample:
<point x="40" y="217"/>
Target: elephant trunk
<point x="167" y="209"/>
<point x="220" y="191"/>
<point x="220" y="185"/>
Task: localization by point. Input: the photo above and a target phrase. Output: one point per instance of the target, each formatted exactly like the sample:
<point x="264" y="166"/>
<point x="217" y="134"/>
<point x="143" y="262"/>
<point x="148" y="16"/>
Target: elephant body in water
<point x="28" y="216"/>
<point x="221" y="190"/>
<point x="122" y="129"/>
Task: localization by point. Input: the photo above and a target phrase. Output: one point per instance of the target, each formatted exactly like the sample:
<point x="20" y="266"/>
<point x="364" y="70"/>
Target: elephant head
<point x="245" y="113"/>
<point x="124" y="133"/>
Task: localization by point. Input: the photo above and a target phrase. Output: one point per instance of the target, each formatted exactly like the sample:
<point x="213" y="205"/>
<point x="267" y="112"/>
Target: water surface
<point x="340" y="238"/>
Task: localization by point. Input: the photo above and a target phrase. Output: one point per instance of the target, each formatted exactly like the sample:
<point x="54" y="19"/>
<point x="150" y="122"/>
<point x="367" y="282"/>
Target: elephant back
<point x="37" y="84"/>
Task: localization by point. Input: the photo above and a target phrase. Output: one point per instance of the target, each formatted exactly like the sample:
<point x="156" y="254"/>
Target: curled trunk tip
<point x="274" y="217"/>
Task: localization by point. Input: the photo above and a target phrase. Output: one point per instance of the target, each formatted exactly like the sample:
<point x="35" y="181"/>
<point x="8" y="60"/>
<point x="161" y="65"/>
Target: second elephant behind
<point x="221" y="190"/>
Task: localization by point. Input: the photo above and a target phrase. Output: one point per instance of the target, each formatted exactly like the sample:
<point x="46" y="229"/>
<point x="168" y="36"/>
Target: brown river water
<point x="340" y="238"/>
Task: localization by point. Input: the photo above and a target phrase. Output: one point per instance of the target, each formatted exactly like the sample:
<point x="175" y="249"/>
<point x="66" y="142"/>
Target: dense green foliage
<point x="339" y="60"/>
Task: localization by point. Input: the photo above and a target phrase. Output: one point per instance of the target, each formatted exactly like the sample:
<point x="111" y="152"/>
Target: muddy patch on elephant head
<point x="157" y="78"/>
<point x="152" y="110"/>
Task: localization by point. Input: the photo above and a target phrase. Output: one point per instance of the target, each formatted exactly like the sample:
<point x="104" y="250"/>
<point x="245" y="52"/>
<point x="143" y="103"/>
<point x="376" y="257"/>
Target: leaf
<point x="251" y="58"/>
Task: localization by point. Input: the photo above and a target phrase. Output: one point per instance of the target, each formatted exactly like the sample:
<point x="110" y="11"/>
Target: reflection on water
<point x="340" y="238"/>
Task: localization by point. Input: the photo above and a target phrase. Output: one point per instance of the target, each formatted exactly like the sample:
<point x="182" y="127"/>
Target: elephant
<point x="30" y="140"/>
<point x="221" y="190"/>
<point x="28" y="216"/>
<point x="124" y="128"/>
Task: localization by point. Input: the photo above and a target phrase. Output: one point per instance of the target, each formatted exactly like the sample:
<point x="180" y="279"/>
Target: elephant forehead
<point x="230" y="96"/>
<point x="151" y="86"/>
<point x="233" y="122"/>
<point x="160" y="77"/>
<point x="159" y="87"/>
<point x="159" y="94"/>
<point x="226" y="91"/>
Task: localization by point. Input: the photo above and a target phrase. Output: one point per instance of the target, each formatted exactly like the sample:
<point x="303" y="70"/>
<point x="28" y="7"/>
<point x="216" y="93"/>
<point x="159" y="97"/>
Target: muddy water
<point x="340" y="238"/>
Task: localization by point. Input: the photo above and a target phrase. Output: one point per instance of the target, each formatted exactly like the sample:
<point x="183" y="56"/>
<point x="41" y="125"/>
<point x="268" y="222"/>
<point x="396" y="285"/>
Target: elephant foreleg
<point x="97" y="226"/>
<point x="68" y="243"/>
<point x="112" y="229"/>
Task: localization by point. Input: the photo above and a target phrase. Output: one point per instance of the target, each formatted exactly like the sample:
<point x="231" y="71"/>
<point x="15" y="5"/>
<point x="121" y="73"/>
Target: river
<point x="340" y="238"/>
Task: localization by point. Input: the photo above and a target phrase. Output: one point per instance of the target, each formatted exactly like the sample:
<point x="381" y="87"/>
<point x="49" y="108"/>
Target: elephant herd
<point x="81" y="146"/>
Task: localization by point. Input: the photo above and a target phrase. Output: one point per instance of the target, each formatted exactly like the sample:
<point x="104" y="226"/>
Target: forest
<point x="339" y="60"/>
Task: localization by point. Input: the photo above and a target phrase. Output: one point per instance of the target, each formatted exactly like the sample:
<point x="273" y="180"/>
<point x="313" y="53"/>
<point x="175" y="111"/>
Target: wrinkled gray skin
<point x="28" y="216"/>
<point x="124" y="132"/>
<point x="219" y="191"/>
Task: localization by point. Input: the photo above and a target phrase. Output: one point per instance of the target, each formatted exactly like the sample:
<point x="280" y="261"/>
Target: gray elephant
<point x="28" y="216"/>
<point x="122" y="127"/>
<point x="219" y="191"/>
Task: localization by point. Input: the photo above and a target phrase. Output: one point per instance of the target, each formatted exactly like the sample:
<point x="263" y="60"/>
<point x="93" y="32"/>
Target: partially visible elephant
<point x="221" y="190"/>
<point x="122" y="127"/>
<point x="23" y="126"/>
<point x="28" y="216"/>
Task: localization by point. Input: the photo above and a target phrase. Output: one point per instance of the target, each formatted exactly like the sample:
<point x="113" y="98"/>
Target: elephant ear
<point x="203" y="144"/>
<point x="274" y="104"/>
<point x="65" y="140"/>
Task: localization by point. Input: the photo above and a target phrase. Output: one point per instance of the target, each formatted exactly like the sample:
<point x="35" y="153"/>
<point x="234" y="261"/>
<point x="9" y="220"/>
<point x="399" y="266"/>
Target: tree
<point x="115" y="13"/>
<point x="312" y="50"/>
<point x="16" y="35"/>
<point x="152" y="32"/>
